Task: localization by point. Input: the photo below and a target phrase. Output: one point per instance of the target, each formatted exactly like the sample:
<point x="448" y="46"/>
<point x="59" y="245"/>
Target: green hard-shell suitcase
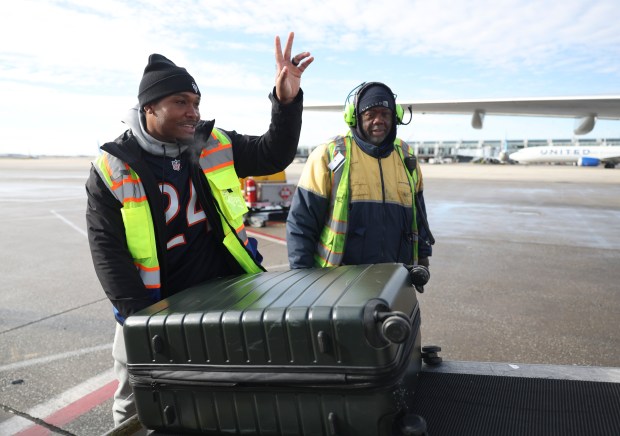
<point x="332" y="351"/>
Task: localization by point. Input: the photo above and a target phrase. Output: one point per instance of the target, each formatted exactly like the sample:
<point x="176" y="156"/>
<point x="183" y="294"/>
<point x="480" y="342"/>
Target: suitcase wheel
<point x="412" y="425"/>
<point x="430" y="356"/>
<point x="384" y="326"/>
<point x="396" y="328"/>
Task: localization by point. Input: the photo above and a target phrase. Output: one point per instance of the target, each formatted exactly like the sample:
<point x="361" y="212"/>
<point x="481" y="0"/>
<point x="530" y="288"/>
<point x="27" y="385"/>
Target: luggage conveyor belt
<point x="476" y="398"/>
<point x="480" y="398"/>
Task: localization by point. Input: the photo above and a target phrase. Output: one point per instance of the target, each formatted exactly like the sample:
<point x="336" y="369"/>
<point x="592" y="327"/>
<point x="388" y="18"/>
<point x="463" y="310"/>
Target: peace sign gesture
<point x="289" y="70"/>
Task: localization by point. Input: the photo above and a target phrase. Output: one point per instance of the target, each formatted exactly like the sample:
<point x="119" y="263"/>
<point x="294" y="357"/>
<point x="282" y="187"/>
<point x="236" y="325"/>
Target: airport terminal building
<point x="467" y="150"/>
<point x="464" y="151"/>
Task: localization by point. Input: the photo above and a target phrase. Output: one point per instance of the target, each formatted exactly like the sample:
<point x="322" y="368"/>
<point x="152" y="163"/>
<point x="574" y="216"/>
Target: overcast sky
<point x="69" y="70"/>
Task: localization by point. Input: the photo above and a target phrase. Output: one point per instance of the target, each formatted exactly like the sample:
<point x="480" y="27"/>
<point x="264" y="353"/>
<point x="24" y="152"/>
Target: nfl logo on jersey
<point x="176" y="165"/>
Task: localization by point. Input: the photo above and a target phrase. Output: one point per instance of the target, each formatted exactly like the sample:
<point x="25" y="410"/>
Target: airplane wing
<point x="585" y="109"/>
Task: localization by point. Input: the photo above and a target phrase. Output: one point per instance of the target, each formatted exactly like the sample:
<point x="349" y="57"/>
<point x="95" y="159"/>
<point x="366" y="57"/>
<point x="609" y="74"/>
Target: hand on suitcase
<point x="420" y="275"/>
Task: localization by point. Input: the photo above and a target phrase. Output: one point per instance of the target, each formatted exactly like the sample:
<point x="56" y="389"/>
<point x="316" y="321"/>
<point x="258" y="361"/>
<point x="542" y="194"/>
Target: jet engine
<point x="585" y="161"/>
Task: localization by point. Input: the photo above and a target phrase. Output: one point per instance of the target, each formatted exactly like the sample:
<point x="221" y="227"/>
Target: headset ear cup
<point x="399" y="114"/>
<point x="349" y="115"/>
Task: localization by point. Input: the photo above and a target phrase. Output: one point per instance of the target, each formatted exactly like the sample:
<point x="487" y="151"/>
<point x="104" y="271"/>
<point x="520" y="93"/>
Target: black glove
<point x="419" y="275"/>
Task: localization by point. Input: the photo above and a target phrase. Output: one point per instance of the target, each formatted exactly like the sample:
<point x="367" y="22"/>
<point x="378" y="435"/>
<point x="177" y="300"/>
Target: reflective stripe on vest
<point x="404" y="151"/>
<point x="331" y="245"/>
<point x="330" y="248"/>
<point x="216" y="161"/>
<point x="127" y="187"/>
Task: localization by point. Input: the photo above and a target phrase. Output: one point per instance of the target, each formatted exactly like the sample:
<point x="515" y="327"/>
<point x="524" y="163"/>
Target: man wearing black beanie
<point x="161" y="78"/>
<point x="165" y="210"/>
<point x="360" y="196"/>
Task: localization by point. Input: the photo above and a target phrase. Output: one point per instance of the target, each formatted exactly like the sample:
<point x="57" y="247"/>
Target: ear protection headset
<point x="350" y="112"/>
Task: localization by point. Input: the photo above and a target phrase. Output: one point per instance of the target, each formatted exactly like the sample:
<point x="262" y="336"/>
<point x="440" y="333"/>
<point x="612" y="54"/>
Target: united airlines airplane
<point x="579" y="155"/>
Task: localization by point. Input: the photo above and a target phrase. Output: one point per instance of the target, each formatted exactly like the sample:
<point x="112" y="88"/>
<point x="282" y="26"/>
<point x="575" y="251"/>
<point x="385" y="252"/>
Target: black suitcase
<point x="332" y="351"/>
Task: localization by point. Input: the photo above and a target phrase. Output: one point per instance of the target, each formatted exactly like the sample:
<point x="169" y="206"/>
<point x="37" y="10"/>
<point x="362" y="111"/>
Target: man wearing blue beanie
<point x="360" y="196"/>
<point x="165" y="210"/>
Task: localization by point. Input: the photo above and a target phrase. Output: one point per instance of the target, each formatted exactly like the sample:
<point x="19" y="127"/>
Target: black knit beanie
<point x="375" y="94"/>
<point x="372" y="95"/>
<point x="162" y="78"/>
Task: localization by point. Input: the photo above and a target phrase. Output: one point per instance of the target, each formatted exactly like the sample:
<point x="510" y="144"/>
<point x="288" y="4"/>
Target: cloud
<point x="500" y="33"/>
<point x="83" y="58"/>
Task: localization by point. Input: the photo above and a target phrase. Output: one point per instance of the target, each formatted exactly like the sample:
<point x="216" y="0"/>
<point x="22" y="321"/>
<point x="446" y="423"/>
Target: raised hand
<point x="289" y="70"/>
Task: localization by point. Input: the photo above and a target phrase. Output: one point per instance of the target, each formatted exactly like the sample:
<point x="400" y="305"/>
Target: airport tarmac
<point x="526" y="269"/>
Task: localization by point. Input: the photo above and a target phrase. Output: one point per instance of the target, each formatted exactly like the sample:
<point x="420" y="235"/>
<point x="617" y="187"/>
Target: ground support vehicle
<point x="268" y="198"/>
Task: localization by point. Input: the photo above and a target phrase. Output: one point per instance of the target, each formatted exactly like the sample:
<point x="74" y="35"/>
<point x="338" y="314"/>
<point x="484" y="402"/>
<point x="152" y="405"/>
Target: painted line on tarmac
<point x="271" y="238"/>
<point x="67" y="405"/>
<point x="73" y="410"/>
<point x="73" y="403"/>
<point x="69" y="223"/>
<point x="272" y="267"/>
<point x="40" y="200"/>
<point x="48" y="359"/>
<point x="52" y="316"/>
<point x="266" y="236"/>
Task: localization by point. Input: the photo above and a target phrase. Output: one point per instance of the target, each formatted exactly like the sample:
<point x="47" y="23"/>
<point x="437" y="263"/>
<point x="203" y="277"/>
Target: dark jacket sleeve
<point x="304" y="224"/>
<point x="425" y="248"/>
<point x="108" y="246"/>
<point x="275" y="149"/>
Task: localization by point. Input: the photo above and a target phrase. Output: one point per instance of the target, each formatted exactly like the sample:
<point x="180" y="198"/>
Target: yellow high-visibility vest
<point x="331" y="244"/>
<point x="216" y="162"/>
